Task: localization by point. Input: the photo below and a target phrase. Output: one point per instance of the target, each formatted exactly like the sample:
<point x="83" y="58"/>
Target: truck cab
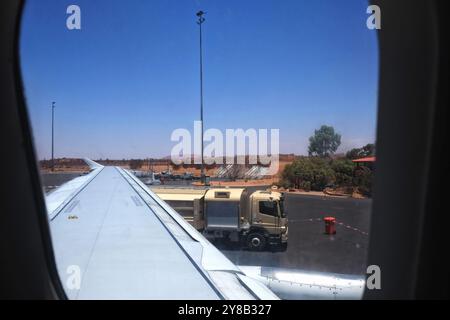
<point x="268" y="220"/>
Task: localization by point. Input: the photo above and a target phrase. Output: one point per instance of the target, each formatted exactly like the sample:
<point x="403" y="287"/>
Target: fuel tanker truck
<point x="255" y="219"/>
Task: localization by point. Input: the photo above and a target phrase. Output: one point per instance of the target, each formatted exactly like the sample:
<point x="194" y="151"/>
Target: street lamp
<point x="53" y="138"/>
<point x="200" y="21"/>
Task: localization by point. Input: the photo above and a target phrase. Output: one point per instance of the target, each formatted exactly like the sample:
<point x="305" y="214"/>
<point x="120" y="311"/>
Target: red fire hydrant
<point x="330" y="225"/>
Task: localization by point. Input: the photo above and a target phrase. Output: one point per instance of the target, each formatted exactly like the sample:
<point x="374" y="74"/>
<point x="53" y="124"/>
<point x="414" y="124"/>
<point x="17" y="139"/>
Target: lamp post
<point x="53" y="135"/>
<point x="200" y="21"/>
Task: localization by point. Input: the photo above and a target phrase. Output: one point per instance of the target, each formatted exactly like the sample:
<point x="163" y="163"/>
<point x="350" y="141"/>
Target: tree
<point x="324" y="142"/>
<point x="366" y="151"/>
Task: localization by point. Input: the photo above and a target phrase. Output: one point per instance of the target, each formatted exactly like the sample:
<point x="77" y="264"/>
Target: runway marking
<point x="338" y="223"/>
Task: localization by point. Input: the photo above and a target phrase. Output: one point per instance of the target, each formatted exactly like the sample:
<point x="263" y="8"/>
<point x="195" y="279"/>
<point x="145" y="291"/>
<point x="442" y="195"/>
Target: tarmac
<point x="309" y="248"/>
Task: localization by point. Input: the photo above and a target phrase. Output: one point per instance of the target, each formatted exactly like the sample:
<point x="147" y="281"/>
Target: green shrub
<point x="305" y="185"/>
<point x="309" y="173"/>
<point x="343" y="171"/>
<point x="286" y="184"/>
<point x="314" y="173"/>
<point x="363" y="180"/>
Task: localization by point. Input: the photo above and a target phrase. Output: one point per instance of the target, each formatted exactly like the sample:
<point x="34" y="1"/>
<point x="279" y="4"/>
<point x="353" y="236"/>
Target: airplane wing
<point x="115" y="239"/>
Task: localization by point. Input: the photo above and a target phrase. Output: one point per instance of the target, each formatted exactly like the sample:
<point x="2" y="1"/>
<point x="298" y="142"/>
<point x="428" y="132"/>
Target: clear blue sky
<point x="130" y="76"/>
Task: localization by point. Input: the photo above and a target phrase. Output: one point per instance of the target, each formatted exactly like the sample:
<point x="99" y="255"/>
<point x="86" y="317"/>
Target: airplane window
<point x="139" y="105"/>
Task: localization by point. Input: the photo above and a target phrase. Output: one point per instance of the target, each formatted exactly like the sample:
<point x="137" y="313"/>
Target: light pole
<point x="53" y="135"/>
<point x="200" y="22"/>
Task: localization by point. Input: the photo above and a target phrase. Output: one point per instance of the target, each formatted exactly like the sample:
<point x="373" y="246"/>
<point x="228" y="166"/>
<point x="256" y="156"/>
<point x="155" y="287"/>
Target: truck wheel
<point x="256" y="241"/>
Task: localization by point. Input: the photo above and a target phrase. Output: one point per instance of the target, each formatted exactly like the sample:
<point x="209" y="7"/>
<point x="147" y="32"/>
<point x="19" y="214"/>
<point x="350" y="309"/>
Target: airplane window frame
<point x="22" y="146"/>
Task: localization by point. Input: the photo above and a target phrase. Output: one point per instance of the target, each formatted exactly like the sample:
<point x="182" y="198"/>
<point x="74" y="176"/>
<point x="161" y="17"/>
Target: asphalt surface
<point x="51" y="181"/>
<point x="309" y="248"/>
